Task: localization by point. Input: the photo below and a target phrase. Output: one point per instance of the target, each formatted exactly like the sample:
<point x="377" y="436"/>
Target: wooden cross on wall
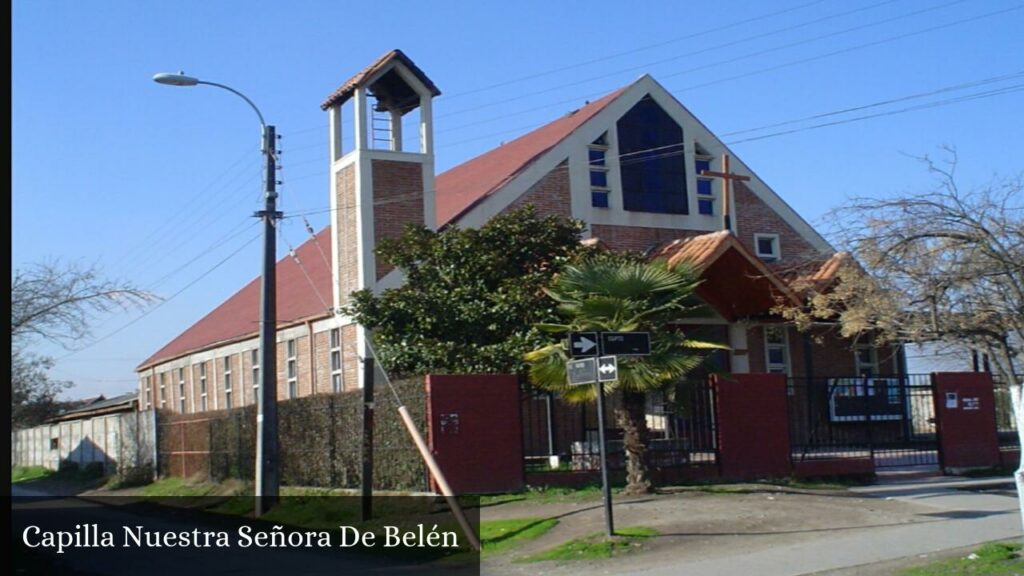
<point x="727" y="178"/>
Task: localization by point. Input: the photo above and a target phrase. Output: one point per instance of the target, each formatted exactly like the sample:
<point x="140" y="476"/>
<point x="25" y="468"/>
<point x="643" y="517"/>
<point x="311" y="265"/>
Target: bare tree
<point x="55" y="302"/>
<point x="942" y="266"/>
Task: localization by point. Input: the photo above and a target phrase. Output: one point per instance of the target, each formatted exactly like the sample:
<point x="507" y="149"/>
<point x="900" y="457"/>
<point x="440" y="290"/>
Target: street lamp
<point x="267" y="478"/>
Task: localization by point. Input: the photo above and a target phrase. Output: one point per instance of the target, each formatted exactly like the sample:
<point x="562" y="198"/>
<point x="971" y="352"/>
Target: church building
<point x="638" y="167"/>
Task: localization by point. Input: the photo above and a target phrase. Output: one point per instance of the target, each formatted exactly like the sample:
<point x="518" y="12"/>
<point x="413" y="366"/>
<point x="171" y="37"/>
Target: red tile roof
<point x="238" y="317"/>
<point x="818" y="274"/>
<point x="344" y="92"/>
<point x="463" y="186"/>
<point x="735" y="282"/>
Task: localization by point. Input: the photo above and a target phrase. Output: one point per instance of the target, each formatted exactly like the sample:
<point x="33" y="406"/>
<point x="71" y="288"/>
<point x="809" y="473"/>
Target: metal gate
<point x="889" y="419"/>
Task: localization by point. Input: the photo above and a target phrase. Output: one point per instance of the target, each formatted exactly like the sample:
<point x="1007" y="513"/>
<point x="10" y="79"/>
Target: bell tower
<point x="382" y="175"/>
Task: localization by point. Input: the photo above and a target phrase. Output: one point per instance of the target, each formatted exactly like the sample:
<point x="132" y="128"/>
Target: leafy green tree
<point x="470" y="296"/>
<point x="617" y="293"/>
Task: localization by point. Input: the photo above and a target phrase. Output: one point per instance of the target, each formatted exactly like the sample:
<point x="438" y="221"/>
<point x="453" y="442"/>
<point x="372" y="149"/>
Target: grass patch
<point x="596" y="546"/>
<point x="500" y="535"/>
<point x="999" y="559"/>
<point x="28" y="473"/>
<point x="178" y="487"/>
<point x="545" y="494"/>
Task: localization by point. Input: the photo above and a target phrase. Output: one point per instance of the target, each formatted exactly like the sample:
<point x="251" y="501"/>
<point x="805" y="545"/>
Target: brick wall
<point x="550" y="196"/>
<point x="397" y="201"/>
<point x="348" y="240"/>
<point x="637" y="238"/>
<point x="349" y="357"/>
<point x="753" y="216"/>
<point x="832" y="354"/>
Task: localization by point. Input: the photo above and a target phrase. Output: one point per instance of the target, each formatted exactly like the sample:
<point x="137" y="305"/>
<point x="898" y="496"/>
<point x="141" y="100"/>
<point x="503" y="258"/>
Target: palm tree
<point x="624" y="294"/>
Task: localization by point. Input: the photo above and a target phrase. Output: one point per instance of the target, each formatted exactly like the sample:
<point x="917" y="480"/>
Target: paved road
<point x="964" y="518"/>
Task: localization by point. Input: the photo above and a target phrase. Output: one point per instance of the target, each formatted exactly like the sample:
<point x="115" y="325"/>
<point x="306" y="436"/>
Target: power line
<point x="673" y="149"/>
<point x="703" y="50"/>
<point x="162" y="302"/>
<point x="990" y="80"/>
<point x="185" y="209"/>
<point x="706" y="32"/>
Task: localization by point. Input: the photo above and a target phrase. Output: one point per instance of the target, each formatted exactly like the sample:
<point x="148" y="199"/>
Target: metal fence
<point x="563" y="436"/>
<point x="890" y="419"/>
<point x="124" y="442"/>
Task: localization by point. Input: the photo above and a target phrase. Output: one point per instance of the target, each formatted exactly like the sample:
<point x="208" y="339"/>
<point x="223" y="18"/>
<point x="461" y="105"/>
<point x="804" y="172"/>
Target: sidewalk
<point x="965" y="518"/>
<point x="780" y="533"/>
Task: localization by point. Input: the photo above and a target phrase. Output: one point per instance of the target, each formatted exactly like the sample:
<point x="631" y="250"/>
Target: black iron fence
<point x="563" y="436"/>
<point x="890" y="419"/>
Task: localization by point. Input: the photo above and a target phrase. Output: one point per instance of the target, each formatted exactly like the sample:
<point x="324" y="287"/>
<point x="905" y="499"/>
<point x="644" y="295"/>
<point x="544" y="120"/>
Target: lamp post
<point x="267" y="478"/>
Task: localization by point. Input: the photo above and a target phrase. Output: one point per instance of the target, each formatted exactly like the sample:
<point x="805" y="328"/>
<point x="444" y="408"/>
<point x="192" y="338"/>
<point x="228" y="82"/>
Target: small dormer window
<point x="767" y="246"/>
<point x="597" y="158"/>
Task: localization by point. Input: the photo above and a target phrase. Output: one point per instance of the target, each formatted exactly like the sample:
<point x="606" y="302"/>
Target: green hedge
<point x="320" y="438"/>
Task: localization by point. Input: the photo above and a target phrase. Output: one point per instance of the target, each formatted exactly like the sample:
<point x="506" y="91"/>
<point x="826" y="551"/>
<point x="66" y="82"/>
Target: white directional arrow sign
<point x="607" y="369"/>
<point x="582" y="344"/>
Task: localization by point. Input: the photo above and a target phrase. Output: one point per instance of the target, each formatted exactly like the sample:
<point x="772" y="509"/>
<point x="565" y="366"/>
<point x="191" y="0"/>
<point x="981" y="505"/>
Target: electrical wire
<point x="162" y="302"/>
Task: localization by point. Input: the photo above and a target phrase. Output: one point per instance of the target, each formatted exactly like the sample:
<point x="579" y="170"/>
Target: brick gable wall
<point x="550" y="196"/>
<point x="754" y="216"/>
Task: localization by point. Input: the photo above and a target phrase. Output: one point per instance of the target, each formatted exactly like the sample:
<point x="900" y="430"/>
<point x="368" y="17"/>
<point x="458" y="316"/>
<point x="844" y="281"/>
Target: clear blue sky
<point x="157" y="184"/>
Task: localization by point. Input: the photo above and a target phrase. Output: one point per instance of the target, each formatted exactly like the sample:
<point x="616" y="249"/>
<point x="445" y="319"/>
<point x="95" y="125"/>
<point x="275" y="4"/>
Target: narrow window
<point x="163" y="390"/>
<point x="254" y="357"/>
<point x="866" y="360"/>
<point x="597" y="157"/>
<point x="202" y="386"/>
<point x="705" y="184"/>
<point x="227" y="382"/>
<point x="145" y="382"/>
<point x="181" y="390"/>
<point x="336" y="360"/>
<point x="293" y="373"/>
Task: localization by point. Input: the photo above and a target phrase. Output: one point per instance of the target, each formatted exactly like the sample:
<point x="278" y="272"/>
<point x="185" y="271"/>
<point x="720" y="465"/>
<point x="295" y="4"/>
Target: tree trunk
<point x="633" y="421"/>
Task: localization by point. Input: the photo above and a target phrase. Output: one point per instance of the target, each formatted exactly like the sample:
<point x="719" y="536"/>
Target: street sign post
<point x="626" y="343"/>
<point x="607" y="369"/>
<point x="606" y="488"/>
<point x="583" y="344"/>
<point x="582" y="371"/>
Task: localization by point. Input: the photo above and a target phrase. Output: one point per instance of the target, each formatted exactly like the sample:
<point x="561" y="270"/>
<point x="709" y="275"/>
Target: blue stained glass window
<point x="599" y="178"/>
<point x="599" y="199"/>
<point x="706" y="206"/>
<point x="702" y="165"/>
<point x="654" y="178"/>
<point x="596" y="157"/>
<point x="704" y="187"/>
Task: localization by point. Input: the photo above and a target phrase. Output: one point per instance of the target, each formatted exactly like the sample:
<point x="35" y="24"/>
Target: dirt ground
<point x="698" y="525"/>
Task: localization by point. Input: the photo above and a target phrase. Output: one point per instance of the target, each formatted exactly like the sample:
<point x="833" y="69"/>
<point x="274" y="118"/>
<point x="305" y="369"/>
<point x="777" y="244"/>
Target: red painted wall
<point x="753" y="426"/>
<point x="475" y="431"/>
<point x="967" y="432"/>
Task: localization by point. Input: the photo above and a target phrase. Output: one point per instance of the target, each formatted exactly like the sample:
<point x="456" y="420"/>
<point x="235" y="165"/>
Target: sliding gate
<point x="889" y="419"/>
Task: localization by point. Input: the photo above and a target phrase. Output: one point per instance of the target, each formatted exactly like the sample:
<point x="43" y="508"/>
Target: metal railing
<point x="888" y="418"/>
<point x="562" y="436"/>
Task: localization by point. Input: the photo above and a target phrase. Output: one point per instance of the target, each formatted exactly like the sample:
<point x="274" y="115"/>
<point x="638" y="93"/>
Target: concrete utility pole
<point x="267" y="460"/>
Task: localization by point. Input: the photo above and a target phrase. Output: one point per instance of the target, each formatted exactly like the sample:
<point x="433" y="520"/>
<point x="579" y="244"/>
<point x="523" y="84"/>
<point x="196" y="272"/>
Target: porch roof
<point x="735" y="283"/>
